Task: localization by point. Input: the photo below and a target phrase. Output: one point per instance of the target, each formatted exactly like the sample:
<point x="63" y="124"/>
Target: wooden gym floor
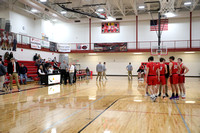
<point x="113" y="106"/>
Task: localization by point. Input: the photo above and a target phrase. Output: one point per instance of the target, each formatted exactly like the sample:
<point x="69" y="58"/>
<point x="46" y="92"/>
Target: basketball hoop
<point x="156" y="51"/>
<point x="166" y="6"/>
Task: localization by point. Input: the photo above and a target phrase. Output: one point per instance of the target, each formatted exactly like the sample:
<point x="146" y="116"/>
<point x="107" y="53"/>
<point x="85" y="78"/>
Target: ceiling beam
<point x="119" y="6"/>
<point x="134" y="6"/>
<point x="194" y="5"/>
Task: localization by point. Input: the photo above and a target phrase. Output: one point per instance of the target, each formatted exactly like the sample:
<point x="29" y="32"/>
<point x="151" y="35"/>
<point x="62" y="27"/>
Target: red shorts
<point x="162" y="80"/>
<point x="181" y="79"/>
<point x="174" y="79"/>
<point x="151" y="80"/>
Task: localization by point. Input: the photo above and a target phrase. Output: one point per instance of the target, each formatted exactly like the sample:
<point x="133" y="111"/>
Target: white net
<point x="167" y="6"/>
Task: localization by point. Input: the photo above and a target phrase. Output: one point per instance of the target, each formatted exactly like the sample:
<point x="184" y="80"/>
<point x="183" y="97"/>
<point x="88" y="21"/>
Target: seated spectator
<point x="47" y="64"/>
<point x="10" y="56"/>
<point x="50" y="70"/>
<point x="55" y="66"/>
<point x="35" y="57"/>
<point x="54" y="59"/>
<point x="23" y="73"/>
<point x="41" y="70"/>
<point x="1" y="59"/>
<point x="6" y="56"/>
<point x="2" y="76"/>
<point x="44" y="68"/>
<point x="37" y="62"/>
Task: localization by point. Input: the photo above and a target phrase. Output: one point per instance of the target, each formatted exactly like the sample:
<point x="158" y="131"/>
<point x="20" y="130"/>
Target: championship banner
<point x="110" y="27"/>
<point x="82" y="46"/>
<point x="163" y="25"/>
<point x="45" y="44"/>
<point x="64" y="48"/>
<point x="110" y="47"/>
<point x="35" y="43"/>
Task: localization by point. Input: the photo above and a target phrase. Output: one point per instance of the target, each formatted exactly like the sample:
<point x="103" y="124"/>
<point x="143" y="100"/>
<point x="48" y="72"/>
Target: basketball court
<point x="86" y="33"/>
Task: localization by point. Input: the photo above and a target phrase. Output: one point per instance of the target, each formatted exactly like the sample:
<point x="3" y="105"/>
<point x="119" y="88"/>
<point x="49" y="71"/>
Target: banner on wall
<point x="110" y="47"/>
<point x="163" y="25"/>
<point x="110" y="27"/>
<point x="35" y="43"/>
<point x="45" y="44"/>
<point x="82" y="46"/>
<point x="64" y="48"/>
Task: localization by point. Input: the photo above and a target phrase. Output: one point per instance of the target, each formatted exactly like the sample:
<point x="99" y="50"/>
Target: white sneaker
<point x="183" y="96"/>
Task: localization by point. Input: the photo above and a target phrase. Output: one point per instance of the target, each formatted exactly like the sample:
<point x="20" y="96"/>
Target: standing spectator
<point x="13" y="70"/>
<point x="10" y="56"/>
<point x="1" y="59"/>
<point x="2" y="75"/>
<point x="54" y="59"/>
<point x="40" y="73"/>
<point x="39" y="57"/>
<point x="35" y="57"/>
<point x="129" y="68"/>
<point x="63" y="67"/>
<point x="87" y="72"/>
<point x="99" y="69"/>
<point x="104" y="70"/>
<point x="75" y="71"/>
<point x="71" y="73"/>
<point x="23" y="73"/>
<point x="14" y="43"/>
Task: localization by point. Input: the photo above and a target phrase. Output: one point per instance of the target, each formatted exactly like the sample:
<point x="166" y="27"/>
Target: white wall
<point x="117" y="62"/>
<point x="196" y="28"/>
<point x="27" y="54"/>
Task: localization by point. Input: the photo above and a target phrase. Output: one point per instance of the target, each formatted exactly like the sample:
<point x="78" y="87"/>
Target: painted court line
<point x="60" y="121"/>
<point x="182" y="117"/>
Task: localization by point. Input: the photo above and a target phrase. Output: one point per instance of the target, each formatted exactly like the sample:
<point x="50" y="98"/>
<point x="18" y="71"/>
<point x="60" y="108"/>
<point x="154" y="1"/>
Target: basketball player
<point x="147" y="92"/>
<point x="183" y="71"/>
<point x="173" y="72"/>
<point x="163" y="71"/>
<point x="152" y="69"/>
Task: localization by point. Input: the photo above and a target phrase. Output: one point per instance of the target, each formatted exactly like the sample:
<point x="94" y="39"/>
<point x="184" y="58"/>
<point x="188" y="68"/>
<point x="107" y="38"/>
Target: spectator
<point x="71" y="73"/>
<point x="41" y="70"/>
<point x="47" y="64"/>
<point x="14" y="43"/>
<point x="35" y="57"/>
<point x="55" y="66"/>
<point x="37" y="62"/>
<point x="44" y="68"/>
<point x="50" y="70"/>
<point x="129" y="68"/>
<point x="2" y="76"/>
<point x="67" y="73"/>
<point x="1" y="59"/>
<point x="13" y="70"/>
<point x="99" y="69"/>
<point x="104" y="71"/>
<point x="23" y="73"/>
<point x="10" y="56"/>
<point x="6" y="56"/>
<point x="63" y="68"/>
<point x="39" y="57"/>
<point x="54" y="59"/>
<point x="87" y="72"/>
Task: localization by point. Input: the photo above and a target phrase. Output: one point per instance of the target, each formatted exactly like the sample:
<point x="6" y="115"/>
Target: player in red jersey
<point x="162" y="82"/>
<point x="152" y="70"/>
<point x="183" y="71"/>
<point x="173" y="72"/>
<point x="145" y="77"/>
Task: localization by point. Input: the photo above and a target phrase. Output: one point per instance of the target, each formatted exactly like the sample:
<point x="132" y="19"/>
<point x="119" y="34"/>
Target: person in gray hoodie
<point x="99" y="69"/>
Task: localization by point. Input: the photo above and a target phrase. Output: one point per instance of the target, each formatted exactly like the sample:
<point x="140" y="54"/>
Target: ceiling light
<point x="137" y="53"/>
<point x="190" y="102"/>
<point x="187" y="3"/>
<point x="109" y="18"/>
<point x="189" y="52"/>
<point x="43" y="0"/>
<point x="137" y="100"/>
<point x="100" y="10"/>
<point x="34" y="10"/>
<point x="170" y="14"/>
<point x="141" y="7"/>
<point x="63" y="12"/>
<point x="54" y="20"/>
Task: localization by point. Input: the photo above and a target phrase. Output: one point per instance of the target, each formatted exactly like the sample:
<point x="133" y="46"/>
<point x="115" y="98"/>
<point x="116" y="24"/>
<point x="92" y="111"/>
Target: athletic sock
<point x="176" y="94"/>
<point x="172" y="94"/>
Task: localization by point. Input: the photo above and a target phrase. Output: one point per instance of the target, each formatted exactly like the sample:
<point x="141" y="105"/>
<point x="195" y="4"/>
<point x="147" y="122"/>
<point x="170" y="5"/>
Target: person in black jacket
<point x="13" y="70"/>
<point x="35" y="57"/>
<point x="1" y="59"/>
<point x="23" y="73"/>
<point x="2" y="76"/>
